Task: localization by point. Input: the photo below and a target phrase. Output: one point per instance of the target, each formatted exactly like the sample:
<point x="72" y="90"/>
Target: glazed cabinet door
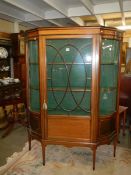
<point x="110" y="51"/>
<point x="33" y="86"/>
<point x="69" y="79"/>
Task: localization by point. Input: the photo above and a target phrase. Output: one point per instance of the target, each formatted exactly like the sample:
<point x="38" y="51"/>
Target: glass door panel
<point x="34" y="76"/>
<point x="110" y="51"/>
<point x="107" y="102"/>
<point x="69" y="76"/>
<point x="109" y="76"/>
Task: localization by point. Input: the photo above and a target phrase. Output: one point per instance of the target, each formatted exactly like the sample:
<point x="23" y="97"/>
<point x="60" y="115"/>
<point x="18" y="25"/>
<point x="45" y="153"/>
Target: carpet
<point x="68" y="161"/>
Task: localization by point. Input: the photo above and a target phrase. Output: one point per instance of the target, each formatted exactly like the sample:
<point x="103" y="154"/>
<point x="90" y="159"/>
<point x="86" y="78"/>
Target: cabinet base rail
<point x="93" y="146"/>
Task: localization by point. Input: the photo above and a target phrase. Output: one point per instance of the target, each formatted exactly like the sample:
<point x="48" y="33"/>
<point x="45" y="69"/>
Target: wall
<point x="127" y="37"/>
<point x="126" y="47"/>
<point x="8" y="27"/>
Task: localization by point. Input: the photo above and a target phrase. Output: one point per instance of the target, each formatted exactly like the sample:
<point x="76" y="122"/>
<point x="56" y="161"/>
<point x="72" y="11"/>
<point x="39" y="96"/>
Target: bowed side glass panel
<point x="69" y="71"/>
<point x="34" y="76"/>
<point x="109" y="76"/>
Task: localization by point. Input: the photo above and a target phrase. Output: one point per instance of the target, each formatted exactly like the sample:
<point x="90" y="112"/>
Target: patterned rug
<point x="68" y="161"/>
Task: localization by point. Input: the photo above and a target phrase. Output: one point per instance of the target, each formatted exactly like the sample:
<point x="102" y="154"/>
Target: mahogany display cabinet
<point x="73" y="86"/>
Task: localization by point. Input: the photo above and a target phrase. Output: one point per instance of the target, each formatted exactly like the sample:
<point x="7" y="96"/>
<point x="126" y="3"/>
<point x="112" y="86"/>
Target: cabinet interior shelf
<point x="81" y="89"/>
<point x="33" y="88"/>
<point x="73" y="63"/>
<point x="109" y="64"/>
<point x="69" y="89"/>
<point x="108" y="89"/>
<point x="66" y="63"/>
<point x="88" y="78"/>
<point x="33" y="63"/>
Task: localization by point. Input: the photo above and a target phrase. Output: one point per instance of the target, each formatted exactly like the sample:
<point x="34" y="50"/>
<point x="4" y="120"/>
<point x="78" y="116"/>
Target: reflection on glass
<point x="110" y="51"/>
<point x="109" y="78"/>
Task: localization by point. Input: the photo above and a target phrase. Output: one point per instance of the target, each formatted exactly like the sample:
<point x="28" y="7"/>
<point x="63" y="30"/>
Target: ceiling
<point x="44" y="13"/>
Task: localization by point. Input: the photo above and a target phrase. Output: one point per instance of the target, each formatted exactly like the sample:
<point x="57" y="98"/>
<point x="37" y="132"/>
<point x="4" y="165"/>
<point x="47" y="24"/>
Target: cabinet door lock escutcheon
<point x="44" y="105"/>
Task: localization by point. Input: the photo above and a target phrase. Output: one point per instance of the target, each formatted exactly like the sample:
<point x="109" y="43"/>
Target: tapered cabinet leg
<point x="29" y="138"/>
<point x="43" y="153"/>
<point x="124" y="122"/>
<point x="115" y="144"/>
<point x="94" y="157"/>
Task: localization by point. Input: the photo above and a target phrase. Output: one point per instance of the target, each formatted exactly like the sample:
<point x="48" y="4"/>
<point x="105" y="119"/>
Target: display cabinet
<point x="5" y="55"/>
<point x="5" y="68"/>
<point x="73" y="86"/>
<point x="18" y="53"/>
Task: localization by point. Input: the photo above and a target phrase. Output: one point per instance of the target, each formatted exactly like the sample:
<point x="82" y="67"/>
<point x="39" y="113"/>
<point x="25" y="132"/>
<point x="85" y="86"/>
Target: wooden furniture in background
<point x="11" y="95"/>
<point x="125" y="92"/>
<point x="128" y="54"/>
<point x="123" y="56"/>
<point x="122" y="115"/>
<point x="5" y="66"/>
<point x="124" y="52"/>
<point x="18" y="43"/>
<point x="5" y="63"/>
<point x="73" y="86"/>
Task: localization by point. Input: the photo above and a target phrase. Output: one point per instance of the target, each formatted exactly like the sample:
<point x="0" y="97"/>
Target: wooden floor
<point x="16" y="140"/>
